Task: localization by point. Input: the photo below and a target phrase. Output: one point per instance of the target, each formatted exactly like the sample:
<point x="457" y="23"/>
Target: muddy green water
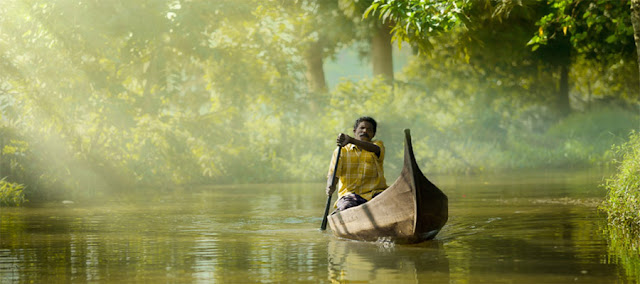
<point x="534" y="228"/>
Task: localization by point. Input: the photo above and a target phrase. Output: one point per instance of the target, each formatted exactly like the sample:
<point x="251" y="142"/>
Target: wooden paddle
<point x="333" y="183"/>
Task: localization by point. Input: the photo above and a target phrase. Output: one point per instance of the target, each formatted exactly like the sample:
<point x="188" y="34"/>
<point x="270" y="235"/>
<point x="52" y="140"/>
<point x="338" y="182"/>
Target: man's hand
<point x="331" y="187"/>
<point x="343" y="139"/>
<point x="330" y="190"/>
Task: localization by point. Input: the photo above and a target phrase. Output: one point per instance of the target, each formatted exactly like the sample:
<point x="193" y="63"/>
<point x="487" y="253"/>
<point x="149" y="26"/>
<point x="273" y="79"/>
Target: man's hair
<point x="367" y="119"/>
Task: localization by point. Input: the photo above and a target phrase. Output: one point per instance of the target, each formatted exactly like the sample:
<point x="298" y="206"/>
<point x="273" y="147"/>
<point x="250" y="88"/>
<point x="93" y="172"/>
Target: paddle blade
<point x="326" y="214"/>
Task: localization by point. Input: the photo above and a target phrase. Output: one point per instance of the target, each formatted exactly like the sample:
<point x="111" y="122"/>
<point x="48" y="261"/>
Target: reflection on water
<point x="501" y="229"/>
<point x="626" y="246"/>
<point x="351" y="261"/>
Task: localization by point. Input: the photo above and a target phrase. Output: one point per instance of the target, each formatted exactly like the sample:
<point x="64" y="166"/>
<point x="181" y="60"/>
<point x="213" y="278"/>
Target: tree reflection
<point x="625" y="246"/>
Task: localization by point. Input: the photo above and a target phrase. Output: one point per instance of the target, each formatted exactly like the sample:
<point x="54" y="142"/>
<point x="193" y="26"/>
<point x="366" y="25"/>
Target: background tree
<point x="324" y="30"/>
<point x="598" y="31"/>
<point x="376" y="33"/>
<point x="635" y="21"/>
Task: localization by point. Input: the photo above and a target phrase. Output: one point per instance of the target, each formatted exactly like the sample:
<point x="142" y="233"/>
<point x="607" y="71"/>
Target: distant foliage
<point x="11" y="194"/>
<point x="599" y="128"/>
<point x="623" y="201"/>
<point x="102" y="96"/>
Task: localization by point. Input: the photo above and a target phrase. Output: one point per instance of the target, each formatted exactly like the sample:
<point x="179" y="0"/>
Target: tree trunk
<point x="381" y="52"/>
<point x="4" y="169"/>
<point x="635" y="21"/>
<point x="153" y="74"/>
<point x="563" y="91"/>
<point x="315" y="68"/>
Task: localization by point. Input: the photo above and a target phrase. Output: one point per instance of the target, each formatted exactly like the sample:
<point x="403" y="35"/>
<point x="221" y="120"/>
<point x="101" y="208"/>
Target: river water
<point x="521" y="228"/>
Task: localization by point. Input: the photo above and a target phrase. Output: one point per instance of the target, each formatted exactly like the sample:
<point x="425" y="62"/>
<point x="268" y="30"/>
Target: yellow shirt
<point x="359" y="171"/>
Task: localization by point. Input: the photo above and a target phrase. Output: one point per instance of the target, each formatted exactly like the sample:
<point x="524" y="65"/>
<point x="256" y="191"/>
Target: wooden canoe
<point x="411" y="210"/>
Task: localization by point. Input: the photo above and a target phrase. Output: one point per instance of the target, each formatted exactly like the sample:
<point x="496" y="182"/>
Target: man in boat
<point x="360" y="169"/>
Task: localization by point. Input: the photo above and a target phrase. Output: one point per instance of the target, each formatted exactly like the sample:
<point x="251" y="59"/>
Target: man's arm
<point x="344" y="139"/>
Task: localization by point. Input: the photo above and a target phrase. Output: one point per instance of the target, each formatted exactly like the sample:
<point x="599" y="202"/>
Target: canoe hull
<point x="411" y="210"/>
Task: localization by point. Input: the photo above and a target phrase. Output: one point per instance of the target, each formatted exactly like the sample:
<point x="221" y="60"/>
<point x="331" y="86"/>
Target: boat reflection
<point x="385" y="262"/>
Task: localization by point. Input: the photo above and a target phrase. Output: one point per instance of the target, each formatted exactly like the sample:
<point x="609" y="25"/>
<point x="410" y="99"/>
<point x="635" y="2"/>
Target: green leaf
<point x="371" y="9"/>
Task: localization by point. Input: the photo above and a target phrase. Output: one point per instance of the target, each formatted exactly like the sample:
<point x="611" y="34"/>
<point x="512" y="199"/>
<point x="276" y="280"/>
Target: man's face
<point x="364" y="131"/>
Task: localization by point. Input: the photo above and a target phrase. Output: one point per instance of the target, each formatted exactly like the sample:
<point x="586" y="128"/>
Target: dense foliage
<point x="623" y="201"/>
<point x="11" y="194"/>
<point x="102" y="96"/>
<point x="622" y="206"/>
